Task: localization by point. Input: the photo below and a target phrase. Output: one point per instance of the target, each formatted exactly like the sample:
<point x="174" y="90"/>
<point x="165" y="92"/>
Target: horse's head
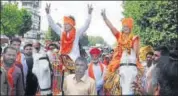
<point x="42" y="70"/>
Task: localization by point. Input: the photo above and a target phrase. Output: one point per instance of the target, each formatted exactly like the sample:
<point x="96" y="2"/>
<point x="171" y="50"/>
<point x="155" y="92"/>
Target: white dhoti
<point x="128" y="72"/>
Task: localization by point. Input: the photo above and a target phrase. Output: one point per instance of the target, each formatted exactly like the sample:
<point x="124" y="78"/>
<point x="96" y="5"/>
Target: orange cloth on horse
<point x="66" y="64"/>
<point x="67" y="41"/>
<point x="56" y="74"/>
<point x="90" y="70"/>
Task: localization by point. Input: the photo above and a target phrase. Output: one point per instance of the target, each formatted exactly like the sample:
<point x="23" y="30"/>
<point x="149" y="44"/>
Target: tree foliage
<point x="84" y="40"/>
<point x="11" y="20"/>
<point x="27" y="22"/>
<point x="93" y="40"/>
<point x="154" y="21"/>
<point x="51" y="35"/>
<point x="14" y="21"/>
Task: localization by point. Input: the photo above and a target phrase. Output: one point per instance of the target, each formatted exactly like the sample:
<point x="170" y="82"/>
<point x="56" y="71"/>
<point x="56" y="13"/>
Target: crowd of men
<point x="62" y="69"/>
<point x="160" y="72"/>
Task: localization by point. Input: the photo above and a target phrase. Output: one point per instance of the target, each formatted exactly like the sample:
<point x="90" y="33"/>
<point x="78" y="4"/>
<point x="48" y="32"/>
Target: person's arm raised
<point x="87" y="22"/>
<point x="54" y="26"/>
<point x="108" y="23"/>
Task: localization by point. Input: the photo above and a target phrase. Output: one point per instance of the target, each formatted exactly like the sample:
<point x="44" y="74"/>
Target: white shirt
<point x="75" y="49"/>
<point x="129" y="58"/>
<point x="99" y="75"/>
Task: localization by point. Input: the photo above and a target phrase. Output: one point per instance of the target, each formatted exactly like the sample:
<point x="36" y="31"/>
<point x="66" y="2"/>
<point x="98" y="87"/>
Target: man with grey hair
<point x="79" y="83"/>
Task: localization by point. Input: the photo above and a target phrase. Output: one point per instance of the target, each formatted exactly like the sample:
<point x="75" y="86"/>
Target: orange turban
<point x="69" y="20"/>
<point x="128" y="22"/>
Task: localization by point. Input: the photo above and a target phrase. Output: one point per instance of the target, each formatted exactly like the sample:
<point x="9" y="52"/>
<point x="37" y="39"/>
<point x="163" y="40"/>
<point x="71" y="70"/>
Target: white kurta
<point x="75" y="52"/>
<point x="127" y="73"/>
<point x="99" y="76"/>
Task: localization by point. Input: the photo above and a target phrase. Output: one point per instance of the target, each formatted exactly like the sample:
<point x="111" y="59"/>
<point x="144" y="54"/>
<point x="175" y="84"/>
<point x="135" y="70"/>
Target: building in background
<point x="33" y="7"/>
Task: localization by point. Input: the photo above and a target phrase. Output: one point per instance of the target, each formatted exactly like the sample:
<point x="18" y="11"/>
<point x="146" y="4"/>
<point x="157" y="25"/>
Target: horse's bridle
<point x="51" y="71"/>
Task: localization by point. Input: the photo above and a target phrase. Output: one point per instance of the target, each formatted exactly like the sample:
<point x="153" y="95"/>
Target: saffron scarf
<point x="67" y="41"/>
<point x="90" y="70"/>
<point x="19" y="56"/>
<point x="124" y="40"/>
<point x="9" y="74"/>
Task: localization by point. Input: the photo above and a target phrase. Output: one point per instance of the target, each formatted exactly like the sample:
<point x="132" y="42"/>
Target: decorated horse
<point x="62" y="65"/>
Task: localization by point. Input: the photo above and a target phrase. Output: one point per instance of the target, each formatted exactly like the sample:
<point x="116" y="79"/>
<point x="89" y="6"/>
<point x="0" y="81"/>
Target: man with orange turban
<point x="125" y="55"/>
<point x="96" y="70"/>
<point x="69" y="36"/>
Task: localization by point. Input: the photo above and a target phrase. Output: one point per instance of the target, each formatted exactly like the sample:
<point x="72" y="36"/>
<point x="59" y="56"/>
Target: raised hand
<point x="103" y="13"/>
<point x="47" y="8"/>
<point x="90" y="9"/>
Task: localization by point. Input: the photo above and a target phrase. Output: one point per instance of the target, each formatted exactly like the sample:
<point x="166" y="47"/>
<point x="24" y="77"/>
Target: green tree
<point x="27" y="22"/>
<point x="93" y="40"/>
<point x="155" y="21"/>
<point x="11" y="20"/>
<point x="84" y="40"/>
<point x="51" y="35"/>
<point x="14" y="21"/>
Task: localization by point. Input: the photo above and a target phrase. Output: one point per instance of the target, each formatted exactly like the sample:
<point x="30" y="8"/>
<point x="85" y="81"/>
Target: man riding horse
<point x="125" y="59"/>
<point x="69" y="36"/>
<point x="69" y="46"/>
